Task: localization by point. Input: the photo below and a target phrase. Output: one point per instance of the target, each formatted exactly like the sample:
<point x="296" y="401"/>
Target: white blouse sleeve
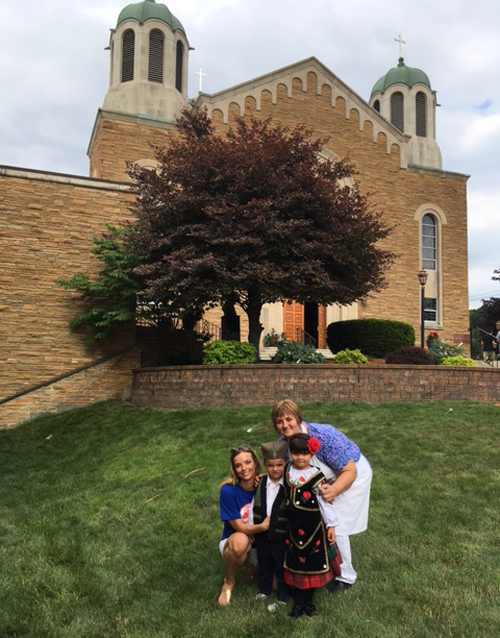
<point x="328" y="511"/>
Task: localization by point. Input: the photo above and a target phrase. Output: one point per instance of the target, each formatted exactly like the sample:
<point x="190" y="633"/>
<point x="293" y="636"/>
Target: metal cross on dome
<point x="401" y="42"/>
<point x="202" y="75"/>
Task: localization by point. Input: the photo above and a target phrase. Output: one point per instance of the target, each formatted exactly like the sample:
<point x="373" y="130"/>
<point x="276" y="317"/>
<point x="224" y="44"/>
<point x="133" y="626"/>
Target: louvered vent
<point x="128" y="45"/>
<point x="155" y="69"/>
<point x="397" y="111"/>
<point x="421" y="114"/>
<point x="178" y="65"/>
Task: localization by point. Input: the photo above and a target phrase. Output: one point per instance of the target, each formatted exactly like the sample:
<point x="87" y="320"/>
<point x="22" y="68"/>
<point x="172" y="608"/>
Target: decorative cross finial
<point x="202" y="75"/>
<point x="401" y="42"/>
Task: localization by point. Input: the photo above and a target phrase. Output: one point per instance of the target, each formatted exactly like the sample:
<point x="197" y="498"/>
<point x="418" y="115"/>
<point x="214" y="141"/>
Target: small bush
<point x="374" y="337"/>
<point x="350" y="356"/>
<point x="458" y="361"/>
<point x="228" y="352"/>
<point x="440" y="350"/>
<point x="410" y="356"/>
<point x="293" y="352"/>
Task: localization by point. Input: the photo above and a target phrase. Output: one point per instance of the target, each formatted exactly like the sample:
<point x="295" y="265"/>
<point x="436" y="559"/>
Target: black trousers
<point x="271" y="555"/>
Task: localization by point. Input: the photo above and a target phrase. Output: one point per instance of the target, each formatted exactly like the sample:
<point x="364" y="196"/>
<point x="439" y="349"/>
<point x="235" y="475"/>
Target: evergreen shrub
<point x="350" y="356"/>
<point x="458" y="361"/>
<point x="412" y="356"/>
<point x="294" y="352"/>
<point x="228" y="352"/>
<point x="374" y="337"/>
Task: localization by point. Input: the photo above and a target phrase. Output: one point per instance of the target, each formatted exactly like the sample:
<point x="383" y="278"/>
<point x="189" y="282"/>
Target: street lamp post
<point x="422" y="278"/>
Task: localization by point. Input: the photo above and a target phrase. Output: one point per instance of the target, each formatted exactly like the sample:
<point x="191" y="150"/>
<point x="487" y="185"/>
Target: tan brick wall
<point x="109" y="380"/>
<point x="235" y="386"/>
<point x="119" y="141"/>
<point x="48" y="222"/>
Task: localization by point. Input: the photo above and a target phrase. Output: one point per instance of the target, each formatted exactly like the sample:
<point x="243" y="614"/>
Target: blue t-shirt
<point x="234" y="503"/>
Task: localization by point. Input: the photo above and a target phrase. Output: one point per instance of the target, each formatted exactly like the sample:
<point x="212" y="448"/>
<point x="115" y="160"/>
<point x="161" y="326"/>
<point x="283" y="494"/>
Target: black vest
<point x="278" y="522"/>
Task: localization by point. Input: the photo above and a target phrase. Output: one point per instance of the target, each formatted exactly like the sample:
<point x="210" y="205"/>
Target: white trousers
<point x="347" y="573"/>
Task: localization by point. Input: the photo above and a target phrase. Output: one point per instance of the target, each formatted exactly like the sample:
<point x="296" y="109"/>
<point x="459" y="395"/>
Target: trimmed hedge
<point x="374" y="337"/>
<point x="228" y="352"/>
<point x="411" y="356"/>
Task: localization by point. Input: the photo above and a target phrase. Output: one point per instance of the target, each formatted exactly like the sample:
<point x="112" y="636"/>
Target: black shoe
<point x="338" y="587"/>
<point x="296" y="612"/>
<point x="309" y="609"/>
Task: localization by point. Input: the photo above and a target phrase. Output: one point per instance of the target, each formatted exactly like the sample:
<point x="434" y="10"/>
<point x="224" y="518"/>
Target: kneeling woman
<point x="236" y="494"/>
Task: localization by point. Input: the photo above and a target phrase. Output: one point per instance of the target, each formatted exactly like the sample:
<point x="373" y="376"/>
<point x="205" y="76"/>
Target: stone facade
<point x="48" y="222"/>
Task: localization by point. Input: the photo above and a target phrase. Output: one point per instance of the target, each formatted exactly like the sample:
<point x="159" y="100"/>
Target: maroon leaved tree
<point x="257" y="215"/>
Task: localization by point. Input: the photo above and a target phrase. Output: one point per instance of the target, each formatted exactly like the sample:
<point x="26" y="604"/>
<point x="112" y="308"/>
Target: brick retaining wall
<point x="252" y="385"/>
<point x="108" y="380"/>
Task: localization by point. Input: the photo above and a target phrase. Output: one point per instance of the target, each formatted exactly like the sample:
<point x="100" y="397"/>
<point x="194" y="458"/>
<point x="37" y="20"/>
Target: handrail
<point x="211" y="329"/>
<point x="305" y="338"/>
<point x="60" y="377"/>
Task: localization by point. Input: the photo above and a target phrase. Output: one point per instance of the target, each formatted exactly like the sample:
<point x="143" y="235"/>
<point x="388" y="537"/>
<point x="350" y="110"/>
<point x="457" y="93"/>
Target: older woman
<point x="341" y="461"/>
<point x="235" y="496"/>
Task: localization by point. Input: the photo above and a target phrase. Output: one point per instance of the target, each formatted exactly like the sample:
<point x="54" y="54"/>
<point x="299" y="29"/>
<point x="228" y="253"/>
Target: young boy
<point x="268" y="501"/>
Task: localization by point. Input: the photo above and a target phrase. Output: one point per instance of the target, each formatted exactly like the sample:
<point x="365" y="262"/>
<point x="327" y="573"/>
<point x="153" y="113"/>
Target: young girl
<point x="308" y="544"/>
<point x="235" y="496"/>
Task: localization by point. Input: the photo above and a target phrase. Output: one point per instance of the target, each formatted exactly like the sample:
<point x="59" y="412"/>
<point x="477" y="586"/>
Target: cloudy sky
<point x="54" y="75"/>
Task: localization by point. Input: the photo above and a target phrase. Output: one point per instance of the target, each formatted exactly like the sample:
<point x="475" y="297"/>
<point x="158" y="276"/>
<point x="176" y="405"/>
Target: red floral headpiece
<point x="313" y="445"/>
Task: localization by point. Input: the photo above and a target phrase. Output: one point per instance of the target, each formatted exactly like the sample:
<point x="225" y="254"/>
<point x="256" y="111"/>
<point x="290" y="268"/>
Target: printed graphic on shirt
<point x="244" y="512"/>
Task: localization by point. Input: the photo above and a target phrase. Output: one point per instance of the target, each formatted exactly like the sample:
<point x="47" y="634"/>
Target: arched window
<point x="128" y="45"/>
<point x="421" y="114"/>
<point x="429" y="243"/>
<point x="178" y="65"/>
<point x="397" y="111"/>
<point x="155" y="68"/>
<point x="376" y="106"/>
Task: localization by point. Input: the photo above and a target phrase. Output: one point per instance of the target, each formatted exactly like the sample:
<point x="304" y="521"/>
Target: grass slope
<point x="109" y="525"/>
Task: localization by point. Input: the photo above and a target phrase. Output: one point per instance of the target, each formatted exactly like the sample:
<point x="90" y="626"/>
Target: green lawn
<point x="109" y="525"/>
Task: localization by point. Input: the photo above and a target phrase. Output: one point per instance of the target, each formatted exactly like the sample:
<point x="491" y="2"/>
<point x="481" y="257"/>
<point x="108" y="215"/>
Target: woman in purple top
<point x="350" y="477"/>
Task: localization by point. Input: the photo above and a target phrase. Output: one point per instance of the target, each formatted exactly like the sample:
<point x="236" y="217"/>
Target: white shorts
<point x="252" y="556"/>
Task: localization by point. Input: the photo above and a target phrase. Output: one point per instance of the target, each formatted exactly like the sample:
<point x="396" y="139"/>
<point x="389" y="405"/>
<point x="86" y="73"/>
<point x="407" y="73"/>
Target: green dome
<point x="150" y="10"/>
<point x="401" y="74"/>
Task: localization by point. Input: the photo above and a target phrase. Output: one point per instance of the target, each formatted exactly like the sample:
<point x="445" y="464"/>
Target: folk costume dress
<point x="307" y="564"/>
<point x="352" y="506"/>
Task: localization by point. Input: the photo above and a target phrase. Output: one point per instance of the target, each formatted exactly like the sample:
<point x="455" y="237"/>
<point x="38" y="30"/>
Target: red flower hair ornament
<point x="313" y="445"/>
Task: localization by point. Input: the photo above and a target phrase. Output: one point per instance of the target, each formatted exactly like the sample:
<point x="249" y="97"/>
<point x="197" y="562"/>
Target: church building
<point x="49" y="219"/>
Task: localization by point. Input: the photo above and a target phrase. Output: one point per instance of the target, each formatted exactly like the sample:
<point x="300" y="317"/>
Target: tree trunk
<point x="254" y="326"/>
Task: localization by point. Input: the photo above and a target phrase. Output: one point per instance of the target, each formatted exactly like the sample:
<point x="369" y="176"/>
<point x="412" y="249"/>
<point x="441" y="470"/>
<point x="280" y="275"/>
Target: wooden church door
<point x="293" y="322"/>
<point x="321" y="327"/>
<point x="293" y="318"/>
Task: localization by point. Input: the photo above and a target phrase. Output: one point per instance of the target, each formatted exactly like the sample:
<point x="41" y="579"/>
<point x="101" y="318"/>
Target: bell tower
<point x="405" y="98"/>
<point x="147" y="88"/>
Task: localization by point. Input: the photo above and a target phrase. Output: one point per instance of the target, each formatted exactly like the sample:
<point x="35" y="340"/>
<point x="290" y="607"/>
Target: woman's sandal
<point x="227" y="593"/>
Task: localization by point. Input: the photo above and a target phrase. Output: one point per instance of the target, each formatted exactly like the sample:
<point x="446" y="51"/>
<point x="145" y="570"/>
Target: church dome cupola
<point x="149" y="63"/>
<point x="405" y="98"/>
<point x="141" y="12"/>
<point x="401" y="74"/>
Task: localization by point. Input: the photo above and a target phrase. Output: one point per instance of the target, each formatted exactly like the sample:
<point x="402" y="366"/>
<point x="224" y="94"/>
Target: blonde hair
<point x="287" y="406"/>
<point x="233" y="479"/>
